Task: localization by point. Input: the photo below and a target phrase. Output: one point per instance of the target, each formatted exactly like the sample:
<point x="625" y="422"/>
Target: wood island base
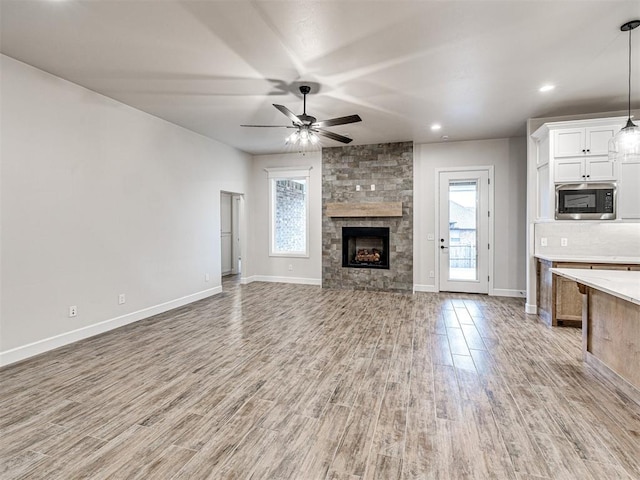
<point x="611" y="338"/>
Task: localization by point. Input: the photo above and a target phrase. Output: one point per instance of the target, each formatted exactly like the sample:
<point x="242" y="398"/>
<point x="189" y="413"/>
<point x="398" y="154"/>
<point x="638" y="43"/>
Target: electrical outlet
<point x="206" y="277"/>
<point x="121" y="299"/>
<point x="373" y="187"/>
<point x="431" y="274"/>
<point x="543" y="242"/>
<point x="430" y="236"/>
<point x="357" y="188"/>
<point x="290" y="268"/>
<point x="563" y="242"/>
<point x="73" y="311"/>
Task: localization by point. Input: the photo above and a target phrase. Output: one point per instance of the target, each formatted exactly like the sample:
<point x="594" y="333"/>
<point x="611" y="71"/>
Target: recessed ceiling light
<point x="547" y="88"/>
<point x="445" y="137"/>
<point x="436" y="126"/>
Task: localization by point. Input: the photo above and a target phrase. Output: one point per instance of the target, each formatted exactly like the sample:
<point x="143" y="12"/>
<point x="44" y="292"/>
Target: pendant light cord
<point x="629" y="90"/>
<point x="628" y="27"/>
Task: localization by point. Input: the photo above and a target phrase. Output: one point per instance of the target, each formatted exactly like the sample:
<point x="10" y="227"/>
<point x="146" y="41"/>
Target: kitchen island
<point x="610" y="323"/>
<point x="558" y="300"/>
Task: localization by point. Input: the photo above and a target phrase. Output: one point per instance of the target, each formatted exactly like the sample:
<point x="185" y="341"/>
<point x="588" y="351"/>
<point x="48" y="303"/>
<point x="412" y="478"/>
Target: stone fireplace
<point x="373" y="187"/>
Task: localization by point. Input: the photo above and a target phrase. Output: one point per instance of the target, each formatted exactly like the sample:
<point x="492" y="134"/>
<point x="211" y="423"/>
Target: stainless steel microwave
<point x="586" y="201"/>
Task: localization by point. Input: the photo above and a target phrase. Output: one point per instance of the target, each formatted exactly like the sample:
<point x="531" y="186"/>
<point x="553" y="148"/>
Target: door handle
<point x="443" y="247"/>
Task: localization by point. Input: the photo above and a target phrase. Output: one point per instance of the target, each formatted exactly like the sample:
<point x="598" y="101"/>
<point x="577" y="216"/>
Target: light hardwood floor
<point x="274" y="381"/>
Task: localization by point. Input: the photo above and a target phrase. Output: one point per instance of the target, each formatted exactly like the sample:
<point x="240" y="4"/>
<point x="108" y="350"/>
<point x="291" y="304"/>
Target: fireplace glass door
<point x="365" y="247"/>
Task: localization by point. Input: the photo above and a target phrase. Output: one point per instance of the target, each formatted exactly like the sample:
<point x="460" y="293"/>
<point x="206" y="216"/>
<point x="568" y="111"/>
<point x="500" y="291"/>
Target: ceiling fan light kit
<point x="302" y="136"/>
<point x="625" y="145"/>
<point x="307" y="129"/>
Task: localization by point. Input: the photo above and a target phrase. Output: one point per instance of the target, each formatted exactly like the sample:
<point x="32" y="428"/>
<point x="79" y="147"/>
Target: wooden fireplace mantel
<point x="378" y="209"/>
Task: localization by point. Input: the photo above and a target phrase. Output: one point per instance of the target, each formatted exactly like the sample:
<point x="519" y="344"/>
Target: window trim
<point x="287" y="173"/>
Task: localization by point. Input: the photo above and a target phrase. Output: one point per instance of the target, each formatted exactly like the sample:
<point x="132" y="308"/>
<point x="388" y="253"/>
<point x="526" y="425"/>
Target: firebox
<point x="365" y="247"/>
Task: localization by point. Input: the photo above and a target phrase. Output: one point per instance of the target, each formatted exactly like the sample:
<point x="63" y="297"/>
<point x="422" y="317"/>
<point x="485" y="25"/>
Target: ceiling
<point x="473" y="66"/>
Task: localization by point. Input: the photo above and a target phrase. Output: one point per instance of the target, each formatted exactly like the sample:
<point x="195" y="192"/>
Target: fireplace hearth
<point x="365" y="247"/>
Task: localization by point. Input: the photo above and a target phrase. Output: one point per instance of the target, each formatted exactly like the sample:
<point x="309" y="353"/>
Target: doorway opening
<point x="231" y="238"/>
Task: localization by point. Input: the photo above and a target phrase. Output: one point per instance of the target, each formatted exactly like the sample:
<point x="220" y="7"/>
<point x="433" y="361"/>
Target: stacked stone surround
<point x="389" y="167"/>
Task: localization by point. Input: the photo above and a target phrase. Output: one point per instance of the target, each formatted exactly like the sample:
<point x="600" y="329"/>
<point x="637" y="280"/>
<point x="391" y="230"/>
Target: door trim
<point x="472" y="168"/>
<point x="226" y="209"/>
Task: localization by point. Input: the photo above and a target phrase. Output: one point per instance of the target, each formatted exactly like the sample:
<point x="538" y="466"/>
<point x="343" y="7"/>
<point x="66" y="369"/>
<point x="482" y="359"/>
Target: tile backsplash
<point x="588" y="239"/>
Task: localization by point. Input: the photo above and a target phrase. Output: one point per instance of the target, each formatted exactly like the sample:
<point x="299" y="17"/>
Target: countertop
<point x="588" y="259"/>
<point x="623" y="284"/>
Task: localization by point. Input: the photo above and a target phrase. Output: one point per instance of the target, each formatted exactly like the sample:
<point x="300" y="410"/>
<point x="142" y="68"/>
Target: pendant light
<point x="626" y="144"/>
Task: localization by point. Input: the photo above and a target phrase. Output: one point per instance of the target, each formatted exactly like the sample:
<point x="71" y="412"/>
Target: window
<point x="289" y="212"/>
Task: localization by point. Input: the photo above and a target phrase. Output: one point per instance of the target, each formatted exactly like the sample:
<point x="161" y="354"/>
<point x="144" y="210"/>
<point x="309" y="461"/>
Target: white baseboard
<point x="26" y="351"/>
<point x="425" y="288"/>
<point x="247" y="280"/>
<point x="274" y="279"/>
<point x="497" y="292"/>
<point x="532" y="309"/>
<point x="507" y="292"/>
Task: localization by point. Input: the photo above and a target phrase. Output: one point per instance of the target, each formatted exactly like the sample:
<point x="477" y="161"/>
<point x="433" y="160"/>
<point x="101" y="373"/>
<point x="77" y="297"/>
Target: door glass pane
<point x="463" y="225"/>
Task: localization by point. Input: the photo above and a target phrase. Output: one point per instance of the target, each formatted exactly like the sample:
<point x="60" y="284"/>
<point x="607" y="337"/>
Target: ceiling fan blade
<point x="338" y="121"/>
<point x="292" y="116"/>
<point x="333" y="136"/>
<point x="270" y="126"/>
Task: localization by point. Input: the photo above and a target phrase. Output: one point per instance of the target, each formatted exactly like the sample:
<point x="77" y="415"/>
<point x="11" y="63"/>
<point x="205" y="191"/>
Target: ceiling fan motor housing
<point x="307" y="119"/>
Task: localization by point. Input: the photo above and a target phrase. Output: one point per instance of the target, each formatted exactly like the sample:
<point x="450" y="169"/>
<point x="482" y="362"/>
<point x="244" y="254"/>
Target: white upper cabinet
<point x="569" y="143"/>
<point x="584" y="169"/>
<point x="569" y="170"/>
<point x="599" y="168"/>
<point x="598" y="139"/>
<point x="581" y="153"/>
<point x="584" y="141"/>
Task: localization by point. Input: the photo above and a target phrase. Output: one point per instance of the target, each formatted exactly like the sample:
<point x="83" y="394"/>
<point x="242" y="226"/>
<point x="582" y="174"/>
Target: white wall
<point x="508" y="156"/>
<point x="100" y="199"/>
<point x="266" y="268"/>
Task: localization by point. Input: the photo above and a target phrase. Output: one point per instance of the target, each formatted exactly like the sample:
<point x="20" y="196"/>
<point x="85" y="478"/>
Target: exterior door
<point x="463" y="240"/>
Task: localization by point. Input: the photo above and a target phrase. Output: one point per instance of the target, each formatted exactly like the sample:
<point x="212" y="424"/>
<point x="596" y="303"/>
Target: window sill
<point x="289" y="255"/>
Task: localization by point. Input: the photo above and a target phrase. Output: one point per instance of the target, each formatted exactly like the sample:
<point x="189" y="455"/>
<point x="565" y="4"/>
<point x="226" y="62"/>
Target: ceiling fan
<point x="306" y="127"/>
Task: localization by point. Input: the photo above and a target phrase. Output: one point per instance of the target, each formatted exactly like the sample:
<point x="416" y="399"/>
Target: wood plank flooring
<point x="275" y="381"/>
